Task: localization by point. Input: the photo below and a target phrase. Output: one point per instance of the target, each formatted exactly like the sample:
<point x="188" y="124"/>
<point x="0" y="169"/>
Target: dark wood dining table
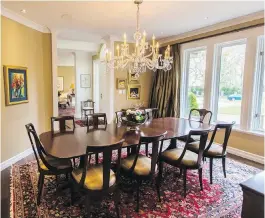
<point x="73" y="144"/>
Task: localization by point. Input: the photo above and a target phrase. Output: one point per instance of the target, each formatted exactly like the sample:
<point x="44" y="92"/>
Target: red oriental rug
<point x="221" y="199"/>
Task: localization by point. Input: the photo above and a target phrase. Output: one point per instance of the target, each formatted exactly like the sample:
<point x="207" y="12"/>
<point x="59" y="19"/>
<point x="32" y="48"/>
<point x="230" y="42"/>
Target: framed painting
<point x="121" y="83"/>
<point x="85" y="81"/>
<point x="60" y="83"/>
<point x="133" y="78"/>
<point x="134" y="92"/>
<point x="16" y="85"/>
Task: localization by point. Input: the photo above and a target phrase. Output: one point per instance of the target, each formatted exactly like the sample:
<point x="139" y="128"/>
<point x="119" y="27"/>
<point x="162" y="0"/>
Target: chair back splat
<point x="119" y="115"/>
<point x="202" y="114"/>
<point x="63" y="127"/>
<point x="37" y="148"/>
<point x="228" y="129"/>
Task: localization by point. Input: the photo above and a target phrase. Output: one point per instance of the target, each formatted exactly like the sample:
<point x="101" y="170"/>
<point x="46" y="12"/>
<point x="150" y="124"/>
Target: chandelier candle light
<point x="144" y="55"/>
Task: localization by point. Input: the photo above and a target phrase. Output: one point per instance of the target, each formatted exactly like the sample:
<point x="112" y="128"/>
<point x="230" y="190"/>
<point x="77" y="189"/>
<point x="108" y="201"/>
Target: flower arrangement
<point x="136" y="116"/>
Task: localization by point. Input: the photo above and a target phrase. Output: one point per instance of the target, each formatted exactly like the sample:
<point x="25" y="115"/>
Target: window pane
<point x="195" y="77"/>
<point x="231" y="83"/>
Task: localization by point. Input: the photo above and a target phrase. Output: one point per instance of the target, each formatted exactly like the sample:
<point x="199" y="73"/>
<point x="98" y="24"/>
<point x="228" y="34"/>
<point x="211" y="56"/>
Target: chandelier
<point x="144" y="55"/>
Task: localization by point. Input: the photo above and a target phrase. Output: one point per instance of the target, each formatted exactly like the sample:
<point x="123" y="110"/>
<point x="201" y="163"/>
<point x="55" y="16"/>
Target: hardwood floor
<point x="5" y="181"/>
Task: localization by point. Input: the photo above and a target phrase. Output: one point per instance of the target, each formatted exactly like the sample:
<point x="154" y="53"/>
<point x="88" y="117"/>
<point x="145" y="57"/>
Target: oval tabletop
<point x="73" y="144"/>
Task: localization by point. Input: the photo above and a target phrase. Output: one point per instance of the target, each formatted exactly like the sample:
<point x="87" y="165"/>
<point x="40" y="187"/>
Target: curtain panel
<point x="165" y="92"/>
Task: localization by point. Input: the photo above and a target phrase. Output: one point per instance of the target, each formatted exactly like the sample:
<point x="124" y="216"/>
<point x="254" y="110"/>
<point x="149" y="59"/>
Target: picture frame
<point x="85" y="81"/>
<point x="121" y="83"/>
<point x="60" y="83"/>
<point x="134" y="92"/>
<point x="132" y="78"/>
<point x="16" y="85"/>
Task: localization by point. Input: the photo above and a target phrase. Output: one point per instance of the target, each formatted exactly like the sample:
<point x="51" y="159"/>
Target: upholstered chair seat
<point x="142" y="167"/>
<point x="190" y="158"/>
<point x="60" y="164"/>
<point x="214" y="150"/>
<point x="94" y="177"/>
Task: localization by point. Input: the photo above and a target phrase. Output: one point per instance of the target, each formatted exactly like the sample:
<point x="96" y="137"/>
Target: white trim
<point x="25" y="21"/>
<point x="216" y="75"/>
<point x="258" y="83"/>
<point x="16" y="158"/>
<point x="250" y="156"/>
<point x="185" y="77"/>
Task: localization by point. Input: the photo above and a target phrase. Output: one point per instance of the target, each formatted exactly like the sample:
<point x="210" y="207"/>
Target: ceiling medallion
<point x="144" y="55"/>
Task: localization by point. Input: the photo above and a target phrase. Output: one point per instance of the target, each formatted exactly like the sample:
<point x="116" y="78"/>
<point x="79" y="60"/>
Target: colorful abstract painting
<point x="16" y="85"/>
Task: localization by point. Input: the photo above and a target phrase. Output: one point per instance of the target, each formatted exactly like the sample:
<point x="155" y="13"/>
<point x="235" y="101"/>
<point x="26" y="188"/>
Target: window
<point x="259" y="91"/>
<point x="194" y="77"/>
<point x="228" y="80"/>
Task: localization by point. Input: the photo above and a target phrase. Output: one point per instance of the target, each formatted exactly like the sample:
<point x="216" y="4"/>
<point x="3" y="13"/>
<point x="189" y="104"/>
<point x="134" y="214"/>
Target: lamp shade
<point x="72" y="86"/>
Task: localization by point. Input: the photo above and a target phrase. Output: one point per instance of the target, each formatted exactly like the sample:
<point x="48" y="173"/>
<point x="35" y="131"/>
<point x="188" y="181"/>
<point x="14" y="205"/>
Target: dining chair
<point x="202" y="115"/>
<point x="151" y="113"/>
<point x="87" y="106"/>
<point x="119" y="115"/>
<point x="185" y="159"/>
<point x="47" y="165"/>
<point x="214" y="150"/>
<point x="63" y="127"/>
<point x="141" y="167"/>
<point x="98" y="180"/>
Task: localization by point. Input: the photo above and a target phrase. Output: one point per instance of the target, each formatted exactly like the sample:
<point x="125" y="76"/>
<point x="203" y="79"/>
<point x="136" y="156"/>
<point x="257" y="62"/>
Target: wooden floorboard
<point x="5" y="181"/>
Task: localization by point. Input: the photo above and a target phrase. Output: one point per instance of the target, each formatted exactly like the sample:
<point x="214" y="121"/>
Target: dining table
<point x="72" y="144"/>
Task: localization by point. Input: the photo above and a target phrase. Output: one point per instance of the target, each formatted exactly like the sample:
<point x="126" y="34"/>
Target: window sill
<point x="250" y="132"/>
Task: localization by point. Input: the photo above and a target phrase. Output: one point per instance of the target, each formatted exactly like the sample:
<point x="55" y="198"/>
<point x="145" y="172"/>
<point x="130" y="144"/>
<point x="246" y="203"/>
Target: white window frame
<point x="216" y="76"/>
<point x="185" y="78"/>
<point x="258" y="81"/>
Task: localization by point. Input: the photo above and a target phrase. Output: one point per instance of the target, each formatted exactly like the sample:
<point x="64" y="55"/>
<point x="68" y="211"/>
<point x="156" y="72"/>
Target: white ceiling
<point x="90" y="21"/>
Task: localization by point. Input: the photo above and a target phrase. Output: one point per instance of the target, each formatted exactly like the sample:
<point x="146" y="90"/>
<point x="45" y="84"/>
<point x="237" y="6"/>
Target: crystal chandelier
<point x="144" y="55"/>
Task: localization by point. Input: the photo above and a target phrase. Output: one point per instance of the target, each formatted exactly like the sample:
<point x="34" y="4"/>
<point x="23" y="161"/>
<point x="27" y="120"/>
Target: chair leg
<point x="128" y="151"/>
<point x="223" y="163"/>
<point x="160" y="172"/>
<point x="200" y="178"/>
<point x="116" y="199"/>
<point x="211" y="170"/>
<point x="184" y="181"/>
<point x="96" y="155"/>
<point x="137" y="195"/>
<point x="146" y="149"/>
<point x="41" y="182"/>
<point x="158" y="188"/>
<point x="88" y="207"/>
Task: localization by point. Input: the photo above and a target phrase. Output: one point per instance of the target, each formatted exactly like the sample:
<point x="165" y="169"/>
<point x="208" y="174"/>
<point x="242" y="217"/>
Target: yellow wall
<point x="120" y="100"/>
<point x="68" y="74"/>
<point x="23" y="46"/>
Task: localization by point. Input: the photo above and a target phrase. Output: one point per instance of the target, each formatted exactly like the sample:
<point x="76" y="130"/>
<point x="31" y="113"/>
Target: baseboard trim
<point x="16" y="158"/>
<point x="244" y="154"/>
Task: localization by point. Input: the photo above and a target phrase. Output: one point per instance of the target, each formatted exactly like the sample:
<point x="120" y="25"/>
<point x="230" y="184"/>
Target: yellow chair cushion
<point x="190" y="158"/>
<point x="213" y="151"/>
<point x="60" y="164"/>
<point x="94" y="177"/>
<point x="142" y="167"/>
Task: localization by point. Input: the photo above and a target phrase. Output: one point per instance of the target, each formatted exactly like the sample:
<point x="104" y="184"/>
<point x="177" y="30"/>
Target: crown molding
<point x="235" y="24"/>
<point x="22" y="20"/>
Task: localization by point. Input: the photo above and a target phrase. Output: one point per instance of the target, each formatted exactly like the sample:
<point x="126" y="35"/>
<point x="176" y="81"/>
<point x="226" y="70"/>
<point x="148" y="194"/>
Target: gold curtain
<point x="165" y="92"/>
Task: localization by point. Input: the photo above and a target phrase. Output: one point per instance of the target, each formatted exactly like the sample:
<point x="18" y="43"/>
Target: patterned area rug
<point x="68" y="111"/>
<point x="221" y="199"/>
